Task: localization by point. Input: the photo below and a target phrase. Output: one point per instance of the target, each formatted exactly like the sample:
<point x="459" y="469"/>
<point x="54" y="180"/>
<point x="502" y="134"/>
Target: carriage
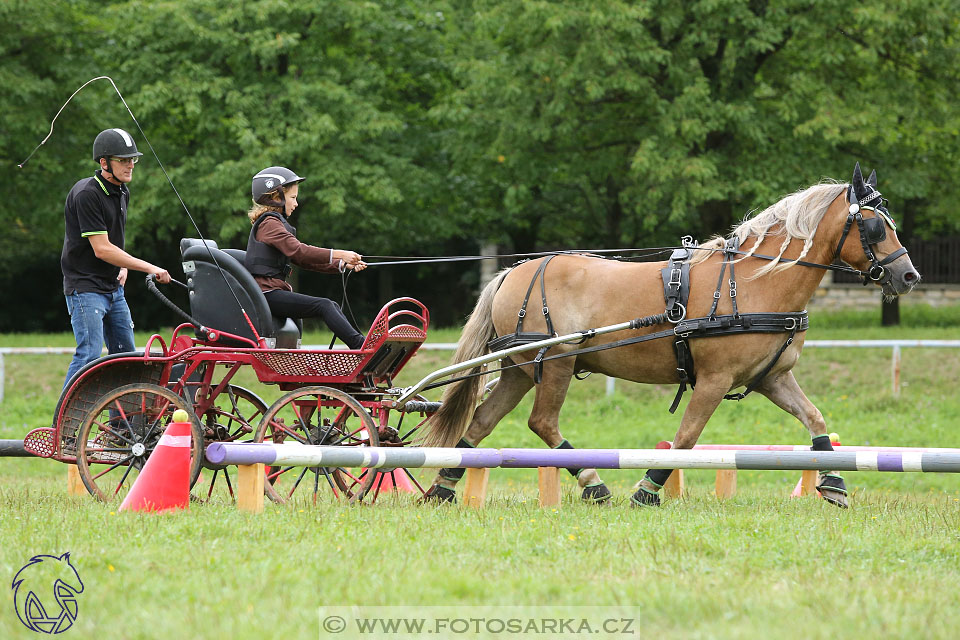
<point x="112" y="413"/>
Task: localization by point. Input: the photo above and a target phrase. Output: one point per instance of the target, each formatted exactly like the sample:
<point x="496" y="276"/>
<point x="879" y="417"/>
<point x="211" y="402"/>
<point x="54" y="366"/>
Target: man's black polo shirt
<point x="93" y="206"/>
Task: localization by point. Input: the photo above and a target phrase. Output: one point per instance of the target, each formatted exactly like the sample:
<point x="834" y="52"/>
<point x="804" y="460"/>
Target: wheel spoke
<point x="297" y="483"/>
<point x="156" y="421"/>
<point x="213" y="481"/>
<point x="274" y="476"/>
<point x="226" y="477"/>
<point x="414" y="480"/>
<point x="108" y="429"/>
<point x="123" y="479"/>
<point x="112" y="467"/>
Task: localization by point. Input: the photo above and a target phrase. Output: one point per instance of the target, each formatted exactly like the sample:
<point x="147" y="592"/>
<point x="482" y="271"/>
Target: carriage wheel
<point x="402" y="435"/>
<point x="232" y="417"/>
<point x="317" y="415"/>
<point x="120" y="432"/>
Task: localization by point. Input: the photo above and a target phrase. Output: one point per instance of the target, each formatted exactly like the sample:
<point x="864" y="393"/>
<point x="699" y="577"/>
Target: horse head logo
<point x="45" y="593"/>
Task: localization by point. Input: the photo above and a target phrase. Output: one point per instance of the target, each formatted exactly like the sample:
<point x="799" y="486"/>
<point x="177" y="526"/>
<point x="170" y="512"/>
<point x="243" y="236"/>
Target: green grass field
<point x="758" y="564"/>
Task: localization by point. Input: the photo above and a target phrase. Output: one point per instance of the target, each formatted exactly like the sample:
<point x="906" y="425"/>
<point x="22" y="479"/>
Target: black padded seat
<point x="213" y="304"/>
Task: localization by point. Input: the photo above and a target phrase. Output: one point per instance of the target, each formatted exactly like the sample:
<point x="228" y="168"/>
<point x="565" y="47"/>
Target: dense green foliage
<point x="431" y="128"/>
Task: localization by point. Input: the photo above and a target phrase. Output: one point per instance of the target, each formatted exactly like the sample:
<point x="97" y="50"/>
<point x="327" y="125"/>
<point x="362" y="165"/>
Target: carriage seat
<point x="214" y="306"/>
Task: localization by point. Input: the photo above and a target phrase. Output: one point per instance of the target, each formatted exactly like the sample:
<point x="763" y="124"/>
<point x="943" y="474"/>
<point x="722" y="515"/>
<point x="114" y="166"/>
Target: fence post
<point x="726" y="483"/>
<point x="611" y="384"/>
<point x="475" y="491"/>
<point x="895" y="369"/>
<point x="250" y="487"/>
<point x="549" y="485"/>
<point x="674" y="486"/>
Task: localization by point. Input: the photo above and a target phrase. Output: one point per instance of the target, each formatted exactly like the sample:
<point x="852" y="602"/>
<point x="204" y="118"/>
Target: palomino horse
<point x="799" y="236"/>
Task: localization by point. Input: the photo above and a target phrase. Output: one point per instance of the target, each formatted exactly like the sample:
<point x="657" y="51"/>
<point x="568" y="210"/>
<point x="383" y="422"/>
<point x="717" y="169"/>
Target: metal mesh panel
<point x="407" y="331"/>
<point x="311" y="364"/>
<point x="40" y="442"/>
<point x="94" y="386"/>
<point x="378" y="329"/>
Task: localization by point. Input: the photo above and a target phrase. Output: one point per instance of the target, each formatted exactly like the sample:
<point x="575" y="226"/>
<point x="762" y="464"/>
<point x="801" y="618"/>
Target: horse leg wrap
<point x="566" y="445"/>
<point x="832" y="489"/>
<point x="645" y="498"/>
<point x="648" y="491"/>
<point x="821" y="443"/>
<point x="450" y="477"/>
<point x="439" y="494"/>
<point x="593" y="488"/>
<point x="453" y="475"/>
<point x="595" y="493"/>
<point x="658" y="476"/>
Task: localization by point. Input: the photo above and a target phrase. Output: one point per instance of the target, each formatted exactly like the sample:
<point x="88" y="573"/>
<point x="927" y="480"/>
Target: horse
<point x="787" y="249"/>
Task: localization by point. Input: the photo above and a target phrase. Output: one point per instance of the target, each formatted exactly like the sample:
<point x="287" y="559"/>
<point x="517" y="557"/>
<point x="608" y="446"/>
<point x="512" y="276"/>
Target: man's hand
<point x="122" y="277"/>
<point x="161" y="275"/>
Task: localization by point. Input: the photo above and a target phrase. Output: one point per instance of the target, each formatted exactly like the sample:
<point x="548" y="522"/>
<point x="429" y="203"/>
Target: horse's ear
<point x="857" y="181"/>
<point x="872" y="180"/>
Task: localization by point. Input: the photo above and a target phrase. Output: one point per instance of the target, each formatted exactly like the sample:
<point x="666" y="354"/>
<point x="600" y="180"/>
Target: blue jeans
<point x="98" y="319"/>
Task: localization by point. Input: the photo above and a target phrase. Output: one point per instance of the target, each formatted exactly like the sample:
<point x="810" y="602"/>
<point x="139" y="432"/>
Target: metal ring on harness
<point x="877" y="272"/>
<point x="683" y="314"/>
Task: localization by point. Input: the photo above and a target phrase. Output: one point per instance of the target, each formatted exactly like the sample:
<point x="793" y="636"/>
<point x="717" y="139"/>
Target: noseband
<point x="872" y="232"/>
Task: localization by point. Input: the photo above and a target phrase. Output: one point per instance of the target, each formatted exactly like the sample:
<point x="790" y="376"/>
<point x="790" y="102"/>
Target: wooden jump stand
<point x="250" y="487"/>
<point x="250" y="480"/>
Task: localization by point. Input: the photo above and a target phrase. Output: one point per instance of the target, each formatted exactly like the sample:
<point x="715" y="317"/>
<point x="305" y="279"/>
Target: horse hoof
<point x="643" y="498"/>
<point x="439" y="495"/>
<point x="595" y="493"/>
<point x="833" y="489"/>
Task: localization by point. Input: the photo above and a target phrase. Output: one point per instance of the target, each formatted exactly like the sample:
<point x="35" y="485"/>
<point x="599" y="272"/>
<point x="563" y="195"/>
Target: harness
<point x="872" y="231"/>
<point x="676" y="291"/>
<point x="520" y="336"/>
<point x="676" y="295"/>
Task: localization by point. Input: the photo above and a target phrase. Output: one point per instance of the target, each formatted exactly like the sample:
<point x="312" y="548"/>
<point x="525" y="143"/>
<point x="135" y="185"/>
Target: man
<point x="93" y="261"/>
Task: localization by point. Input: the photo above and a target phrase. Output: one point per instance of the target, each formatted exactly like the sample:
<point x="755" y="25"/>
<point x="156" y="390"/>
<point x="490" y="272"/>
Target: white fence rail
<point x="894" y="345"/>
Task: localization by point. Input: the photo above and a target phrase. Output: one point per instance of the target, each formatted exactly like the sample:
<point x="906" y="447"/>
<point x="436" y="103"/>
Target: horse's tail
<point x="448" y="424"/>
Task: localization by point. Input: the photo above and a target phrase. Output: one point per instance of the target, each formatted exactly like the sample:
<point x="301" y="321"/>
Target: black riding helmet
<point x="114" y="142"/>
<point x="269" y="180"/>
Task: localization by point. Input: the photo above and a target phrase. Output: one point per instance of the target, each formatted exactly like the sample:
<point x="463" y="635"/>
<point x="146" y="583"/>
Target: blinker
<point x="874" y="230"/>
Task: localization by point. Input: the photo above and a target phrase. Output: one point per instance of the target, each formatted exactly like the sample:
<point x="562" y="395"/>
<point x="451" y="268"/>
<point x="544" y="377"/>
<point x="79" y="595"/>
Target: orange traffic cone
<point x="164" y="481"/>
<point x="396" y="481"/>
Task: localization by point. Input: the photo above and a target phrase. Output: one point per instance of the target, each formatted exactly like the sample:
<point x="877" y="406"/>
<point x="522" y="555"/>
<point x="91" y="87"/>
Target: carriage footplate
<point x="833" y="489"/>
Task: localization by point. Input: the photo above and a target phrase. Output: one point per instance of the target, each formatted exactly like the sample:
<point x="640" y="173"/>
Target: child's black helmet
<point x="269" y="180"/>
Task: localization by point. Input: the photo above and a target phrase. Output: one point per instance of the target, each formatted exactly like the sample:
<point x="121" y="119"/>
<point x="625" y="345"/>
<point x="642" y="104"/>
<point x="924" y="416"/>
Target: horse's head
<point x="879" y="253"/>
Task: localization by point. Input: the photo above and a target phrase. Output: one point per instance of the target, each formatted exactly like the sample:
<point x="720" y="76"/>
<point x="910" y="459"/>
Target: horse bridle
<point x="872" y="231"/>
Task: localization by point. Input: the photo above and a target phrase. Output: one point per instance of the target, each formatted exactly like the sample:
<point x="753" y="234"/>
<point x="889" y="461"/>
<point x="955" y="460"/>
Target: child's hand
<point x="350" y="260"/>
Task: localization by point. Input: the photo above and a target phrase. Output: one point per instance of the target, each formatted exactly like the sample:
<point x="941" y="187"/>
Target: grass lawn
<point x="756" y="565"/>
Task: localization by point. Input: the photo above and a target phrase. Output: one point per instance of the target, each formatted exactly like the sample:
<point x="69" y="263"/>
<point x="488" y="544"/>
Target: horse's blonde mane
<point x="796" y="216"/>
